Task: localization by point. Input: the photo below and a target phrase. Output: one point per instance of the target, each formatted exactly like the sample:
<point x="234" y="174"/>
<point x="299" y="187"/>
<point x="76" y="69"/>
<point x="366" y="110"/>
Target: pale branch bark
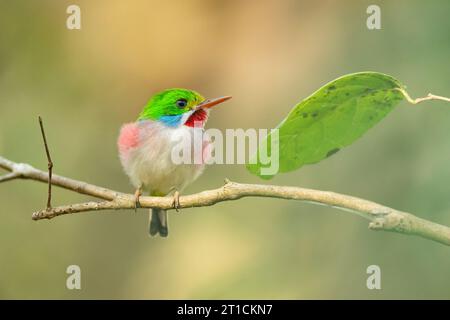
<point x="381" y="217"/>
<point x="9" y="176"/>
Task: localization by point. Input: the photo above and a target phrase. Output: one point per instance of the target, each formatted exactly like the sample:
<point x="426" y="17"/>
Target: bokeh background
<point x="268" y="55"/>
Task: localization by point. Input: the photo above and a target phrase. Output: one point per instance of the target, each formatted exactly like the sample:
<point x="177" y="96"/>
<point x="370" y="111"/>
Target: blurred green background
<point x="268" y="55"/>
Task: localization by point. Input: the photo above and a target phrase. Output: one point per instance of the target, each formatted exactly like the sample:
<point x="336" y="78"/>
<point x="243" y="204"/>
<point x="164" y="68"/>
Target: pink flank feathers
<point x="128" y="138"/>
<point x="207" y="150"/>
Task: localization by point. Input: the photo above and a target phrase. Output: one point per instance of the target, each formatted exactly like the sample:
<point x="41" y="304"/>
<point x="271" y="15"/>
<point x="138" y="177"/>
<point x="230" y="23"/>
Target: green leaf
<point x="331" y="118"/>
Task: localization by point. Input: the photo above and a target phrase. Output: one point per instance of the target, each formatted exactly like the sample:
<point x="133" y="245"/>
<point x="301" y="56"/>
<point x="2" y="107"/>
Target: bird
<point x="145" y="147"/>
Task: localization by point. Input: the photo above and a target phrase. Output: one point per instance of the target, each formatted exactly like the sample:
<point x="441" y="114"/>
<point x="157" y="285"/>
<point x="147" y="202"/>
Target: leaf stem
<point x="430" y="96"/>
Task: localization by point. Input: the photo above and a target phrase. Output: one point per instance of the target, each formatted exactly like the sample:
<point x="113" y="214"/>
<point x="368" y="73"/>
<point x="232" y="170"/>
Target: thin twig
<point x="380" y="217"/>
<point x="430" y="96"/>
<point x="49" y="165"/>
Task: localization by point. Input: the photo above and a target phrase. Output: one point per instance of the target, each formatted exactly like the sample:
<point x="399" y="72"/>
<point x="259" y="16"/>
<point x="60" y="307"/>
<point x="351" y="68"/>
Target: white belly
<point x="150" y="164"/>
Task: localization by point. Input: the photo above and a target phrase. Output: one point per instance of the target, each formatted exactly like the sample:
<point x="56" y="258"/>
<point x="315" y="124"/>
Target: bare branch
<point x="49" y="165"/>
<point x="381" y="217"/>
<point x="9" y="176"/>
<point x="26" y="171"/>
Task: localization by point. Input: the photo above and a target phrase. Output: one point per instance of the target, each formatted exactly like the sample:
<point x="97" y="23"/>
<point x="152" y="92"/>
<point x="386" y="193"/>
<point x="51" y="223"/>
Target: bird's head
<point x="176" y="107"/>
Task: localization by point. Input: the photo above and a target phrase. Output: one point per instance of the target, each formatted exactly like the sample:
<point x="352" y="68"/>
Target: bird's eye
<point x="181" y="103"/>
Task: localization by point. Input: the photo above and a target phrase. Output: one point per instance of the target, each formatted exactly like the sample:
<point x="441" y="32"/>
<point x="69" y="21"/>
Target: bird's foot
<point x="176" y="201"/>
<point x="137" y="194"/>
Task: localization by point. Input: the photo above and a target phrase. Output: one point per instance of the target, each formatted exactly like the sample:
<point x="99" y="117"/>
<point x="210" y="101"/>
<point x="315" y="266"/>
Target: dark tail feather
<point x="158" y="223"/>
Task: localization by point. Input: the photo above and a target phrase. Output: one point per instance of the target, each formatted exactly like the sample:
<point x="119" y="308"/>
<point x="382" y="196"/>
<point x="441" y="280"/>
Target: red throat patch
<point x="199" y="116"/>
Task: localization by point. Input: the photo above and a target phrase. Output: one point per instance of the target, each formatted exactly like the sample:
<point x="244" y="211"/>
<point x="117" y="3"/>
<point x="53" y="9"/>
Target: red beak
<point x="208" y="103"/>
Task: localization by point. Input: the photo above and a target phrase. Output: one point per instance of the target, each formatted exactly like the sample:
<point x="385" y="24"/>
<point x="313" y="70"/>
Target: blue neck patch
<point x="171" y="121"/>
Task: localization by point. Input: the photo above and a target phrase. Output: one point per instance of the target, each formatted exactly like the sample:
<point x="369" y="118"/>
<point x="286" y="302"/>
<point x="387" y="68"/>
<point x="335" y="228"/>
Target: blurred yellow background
<point x="268" y="55"/>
